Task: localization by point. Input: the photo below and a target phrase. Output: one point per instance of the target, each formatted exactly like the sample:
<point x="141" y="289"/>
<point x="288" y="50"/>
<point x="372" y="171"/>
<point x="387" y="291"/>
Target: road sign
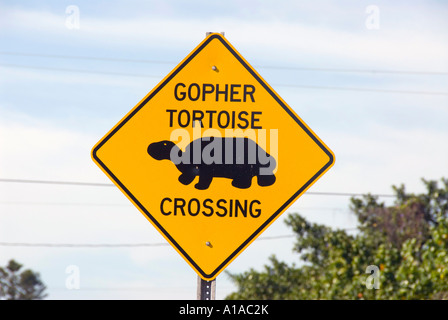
<point x="212" y="156"/>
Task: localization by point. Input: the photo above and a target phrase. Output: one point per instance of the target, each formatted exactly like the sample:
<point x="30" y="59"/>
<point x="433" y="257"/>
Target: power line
<point x="372" y="71"/>
<point x="126" y="245"/>
<point x="93" y="184"/>
<point x="79" y="71"/>
<point x="350" y="194"/>
<point x="331" y="210"/>
<point x="59" y="56"/>
<point x="362" y="89"/>
<point x="74" y="204"/>
<point x="277" y="85"/>
<point x="146" y="61"/>
<point x="82" y="288"/>
<point x="81" y="245"/>
<point x="73" y="183"/>
<point x="110" y="245"/>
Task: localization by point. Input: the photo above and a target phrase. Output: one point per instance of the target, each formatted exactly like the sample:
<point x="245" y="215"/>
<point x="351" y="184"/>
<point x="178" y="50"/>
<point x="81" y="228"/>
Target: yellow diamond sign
<point x="212" y="156"/>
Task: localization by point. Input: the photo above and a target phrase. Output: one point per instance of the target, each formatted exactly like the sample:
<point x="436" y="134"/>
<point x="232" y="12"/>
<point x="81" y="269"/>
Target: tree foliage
<point x="16" y="285"/>
<point x="406" y="241"/>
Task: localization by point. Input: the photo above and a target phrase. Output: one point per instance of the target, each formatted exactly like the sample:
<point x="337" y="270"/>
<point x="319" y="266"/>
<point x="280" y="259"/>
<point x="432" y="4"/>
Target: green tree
<point x="16" y="285"/>
<point x="407" y="242"/>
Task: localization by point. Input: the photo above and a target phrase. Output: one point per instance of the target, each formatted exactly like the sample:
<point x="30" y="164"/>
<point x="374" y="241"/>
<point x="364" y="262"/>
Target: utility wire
<point x="339" y="70"/>
<point x="81" y="245"/>
<point x="73" y="183"/>
<point x="74" y="204"/>
<point x="372" y="71"/>
<point x="362" y="89"/>
<point x="59" y="56"/>
<point x="82" y="288"/>
<point x="92" y="184"/>
<point x="108" y="245"/>
<point x="8" y="65"/>
<point x="125" y="245"/>
<point x="331" y="210"/>
<point x="277" y="85"/>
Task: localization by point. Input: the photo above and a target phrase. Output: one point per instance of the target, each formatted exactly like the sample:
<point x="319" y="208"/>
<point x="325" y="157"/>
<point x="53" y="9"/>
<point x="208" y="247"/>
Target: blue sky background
<point x="378" y="98"/>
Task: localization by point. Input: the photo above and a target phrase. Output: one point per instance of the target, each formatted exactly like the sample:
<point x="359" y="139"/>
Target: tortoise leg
<point x="265" y="180"/>
<point x="204" y="181"/>
<point x="186" y="179"/>
<point x="242" y="182"/>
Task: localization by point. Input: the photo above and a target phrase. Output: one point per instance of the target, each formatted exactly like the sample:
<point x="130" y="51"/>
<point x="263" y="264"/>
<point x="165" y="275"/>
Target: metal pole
<point x="207" y="33"/>
<point x="206" y="289"/>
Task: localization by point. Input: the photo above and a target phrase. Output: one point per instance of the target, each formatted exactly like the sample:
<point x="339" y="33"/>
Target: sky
<point x="369" y="77"/>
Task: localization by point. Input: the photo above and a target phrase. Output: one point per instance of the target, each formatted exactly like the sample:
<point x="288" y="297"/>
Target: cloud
<point x="18" y="76"/>
<point x="32" y="149"/>
<point x="299" y="41"/>
<point x="387" y="155"/>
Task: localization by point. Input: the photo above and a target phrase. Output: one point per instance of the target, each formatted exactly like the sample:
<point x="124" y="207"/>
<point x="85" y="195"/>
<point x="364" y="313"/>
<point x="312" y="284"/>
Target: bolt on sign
<point x="212" y="156"/>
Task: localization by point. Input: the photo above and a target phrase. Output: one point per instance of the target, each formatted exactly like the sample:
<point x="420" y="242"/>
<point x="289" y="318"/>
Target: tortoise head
<point x="161" y="150"/>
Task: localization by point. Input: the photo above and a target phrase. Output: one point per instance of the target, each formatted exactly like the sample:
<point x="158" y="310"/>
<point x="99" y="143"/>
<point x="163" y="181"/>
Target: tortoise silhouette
<point x="239" y="159"/>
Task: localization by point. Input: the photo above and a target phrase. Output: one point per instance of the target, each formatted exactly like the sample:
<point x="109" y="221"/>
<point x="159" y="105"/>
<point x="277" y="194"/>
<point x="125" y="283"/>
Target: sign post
<point x="212" y="156"/>
<point x="206" y="289"/>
